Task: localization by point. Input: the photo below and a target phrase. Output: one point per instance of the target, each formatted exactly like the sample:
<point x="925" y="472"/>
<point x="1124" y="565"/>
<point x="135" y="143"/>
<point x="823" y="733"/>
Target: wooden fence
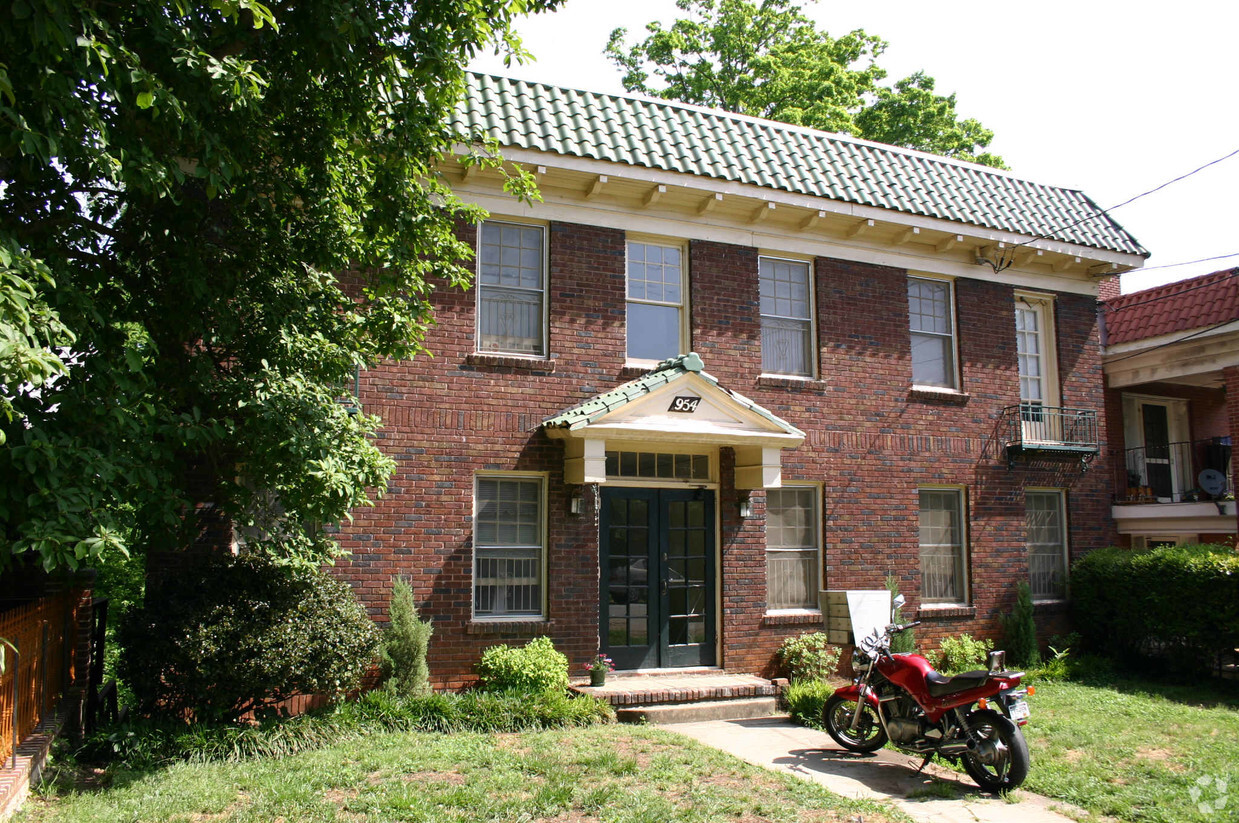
<point x="44" y="632"/>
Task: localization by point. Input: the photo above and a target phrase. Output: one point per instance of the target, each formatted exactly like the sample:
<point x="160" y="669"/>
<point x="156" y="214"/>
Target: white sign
<point x="869" y="609"/>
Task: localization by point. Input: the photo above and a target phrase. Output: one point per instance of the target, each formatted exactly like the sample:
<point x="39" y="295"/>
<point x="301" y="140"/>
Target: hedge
<point x="1175" y="606"/>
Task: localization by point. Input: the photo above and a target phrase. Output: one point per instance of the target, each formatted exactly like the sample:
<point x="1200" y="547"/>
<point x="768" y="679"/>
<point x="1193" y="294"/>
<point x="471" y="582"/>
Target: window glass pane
<point x="655" y="277"/>
<point x="1045" y="537"/>
<point x="653" y="331"/>
<point x="932" y="336"/>
<point x="792" y="548"/>
<point x="508" y="547"/>
<point x="658" y="465"/>
<point x="786" y="323"/>
<point x="510" y="289"/>
<point x="941" y="546"/>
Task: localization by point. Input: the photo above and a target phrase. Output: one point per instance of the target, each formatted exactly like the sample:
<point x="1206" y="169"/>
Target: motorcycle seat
<point x="940" y="685"/>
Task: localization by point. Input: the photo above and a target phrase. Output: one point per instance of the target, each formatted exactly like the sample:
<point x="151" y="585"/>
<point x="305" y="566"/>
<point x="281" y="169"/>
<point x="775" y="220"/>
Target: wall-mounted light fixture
<point x="576" y="504"/>
<point x="746" y="508"/>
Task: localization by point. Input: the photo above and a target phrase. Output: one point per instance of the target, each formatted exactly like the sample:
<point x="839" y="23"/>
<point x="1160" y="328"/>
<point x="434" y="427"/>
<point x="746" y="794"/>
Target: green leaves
<point x="183" y="187"/>
<point x="769" y="60"/>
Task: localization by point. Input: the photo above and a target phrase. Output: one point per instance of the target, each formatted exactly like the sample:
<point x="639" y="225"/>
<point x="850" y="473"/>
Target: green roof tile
<point x="675" y="137"/>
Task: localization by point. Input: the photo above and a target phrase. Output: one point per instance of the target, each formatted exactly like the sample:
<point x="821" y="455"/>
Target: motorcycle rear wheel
<point x="1009" y="766"/>
<point x="867" y="736"/>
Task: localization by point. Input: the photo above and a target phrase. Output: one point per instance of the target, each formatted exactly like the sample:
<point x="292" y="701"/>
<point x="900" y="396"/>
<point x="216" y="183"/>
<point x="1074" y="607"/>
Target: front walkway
<point x="936" y="796"/>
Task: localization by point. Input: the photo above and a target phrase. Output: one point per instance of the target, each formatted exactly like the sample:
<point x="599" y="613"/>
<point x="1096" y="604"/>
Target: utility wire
<point x="1185" y="263"/>
<point x="1197" y="333"/>
<point x="1184" y="290"/>
<point x="1007" y="258"/>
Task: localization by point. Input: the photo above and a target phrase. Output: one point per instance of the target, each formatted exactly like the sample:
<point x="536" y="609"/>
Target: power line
<point x="1185" y="263"/>
<point x="1007" y="258"/>
<point x="1197" y="333"/>
<point x="1184" y="290"/>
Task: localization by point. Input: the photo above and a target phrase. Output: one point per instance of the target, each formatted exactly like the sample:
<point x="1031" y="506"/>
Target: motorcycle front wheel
<point x="868" y="734"/>
<point x="1000" y="763"/>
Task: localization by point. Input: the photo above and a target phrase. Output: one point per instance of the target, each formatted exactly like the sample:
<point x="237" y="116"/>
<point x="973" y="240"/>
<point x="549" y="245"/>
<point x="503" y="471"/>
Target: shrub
<point x="405" y="642"/>
<point x="532" y="668"/>
<point x="805" y="699"/>
<point x="962" y="654"/>
<point x="233" y="634"/>
<point x="1175" y="606"/>
<point x="1020" y="630"/>
<point x="904" y="641"/>
<point x="808" y="657"/>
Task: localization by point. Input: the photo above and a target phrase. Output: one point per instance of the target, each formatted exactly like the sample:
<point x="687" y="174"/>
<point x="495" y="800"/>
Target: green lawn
<point x="1135" y="750"/>
<point x="601" y="773"/>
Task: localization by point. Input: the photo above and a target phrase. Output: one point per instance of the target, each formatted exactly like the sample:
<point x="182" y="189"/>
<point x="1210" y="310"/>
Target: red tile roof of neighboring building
<point x="1198" y="303"/>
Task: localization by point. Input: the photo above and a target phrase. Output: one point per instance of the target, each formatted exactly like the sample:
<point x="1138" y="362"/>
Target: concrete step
<point x="663" y="714"/>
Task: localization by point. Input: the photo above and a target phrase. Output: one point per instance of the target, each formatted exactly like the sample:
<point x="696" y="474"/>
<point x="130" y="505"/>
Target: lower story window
<point x="1046" y="538"/>
<point x="792" y="553"/>
<point x="509" y="543"/>
<point x="943" y="566"/>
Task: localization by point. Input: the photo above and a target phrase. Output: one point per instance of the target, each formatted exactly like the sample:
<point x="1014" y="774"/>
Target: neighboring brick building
<point x="897" y="372"/>
<point x="1172" y="371"/>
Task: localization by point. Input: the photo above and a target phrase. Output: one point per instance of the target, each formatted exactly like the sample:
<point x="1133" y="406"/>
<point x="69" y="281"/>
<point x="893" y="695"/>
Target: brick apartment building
<point x="726" y="363"/>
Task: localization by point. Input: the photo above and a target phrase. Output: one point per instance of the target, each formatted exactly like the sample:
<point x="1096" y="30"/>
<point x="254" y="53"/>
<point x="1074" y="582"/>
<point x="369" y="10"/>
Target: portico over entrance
<point x="676" y="405"/>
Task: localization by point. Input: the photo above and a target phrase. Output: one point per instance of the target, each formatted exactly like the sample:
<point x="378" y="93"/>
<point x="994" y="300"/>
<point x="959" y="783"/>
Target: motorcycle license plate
<point x="1019" y="710"/>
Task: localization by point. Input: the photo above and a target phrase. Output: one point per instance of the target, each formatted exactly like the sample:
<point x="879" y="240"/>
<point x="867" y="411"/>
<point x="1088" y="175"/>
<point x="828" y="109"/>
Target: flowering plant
<point x="600" y="661"/>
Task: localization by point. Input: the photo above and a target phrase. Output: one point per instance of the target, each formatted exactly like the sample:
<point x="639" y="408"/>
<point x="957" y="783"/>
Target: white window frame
<point x="544" y="291"/>
<point x="961" y="509"/>
<point x="1142" y="541"/>
<point x="952" y="335"/>
<point x="811" y="354"/>
<point x="815" y="493"/>
<point x="540" y="548"/>
<point x="1062" y="548"/>
<point x="683" y="306"/>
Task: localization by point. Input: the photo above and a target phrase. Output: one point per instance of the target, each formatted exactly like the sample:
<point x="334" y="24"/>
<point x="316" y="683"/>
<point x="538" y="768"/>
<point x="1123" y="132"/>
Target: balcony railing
<point x="1033" y="429"/>
<point x="1170" y="473"/>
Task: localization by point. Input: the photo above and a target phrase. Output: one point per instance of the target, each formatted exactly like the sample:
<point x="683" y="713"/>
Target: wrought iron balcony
<point x="1170" y="473"/>
<point x="1033" y="430"/>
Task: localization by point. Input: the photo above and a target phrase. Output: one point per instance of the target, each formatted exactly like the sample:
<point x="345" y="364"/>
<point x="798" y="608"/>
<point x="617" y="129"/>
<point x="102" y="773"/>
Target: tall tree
<point x="765" y="58"/>
<point x="181" y="186"/>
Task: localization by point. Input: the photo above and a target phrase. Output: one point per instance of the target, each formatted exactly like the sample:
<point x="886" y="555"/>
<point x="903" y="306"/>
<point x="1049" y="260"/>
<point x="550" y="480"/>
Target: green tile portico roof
<point x="687" y="139"/>
<point x="665" y="372"/>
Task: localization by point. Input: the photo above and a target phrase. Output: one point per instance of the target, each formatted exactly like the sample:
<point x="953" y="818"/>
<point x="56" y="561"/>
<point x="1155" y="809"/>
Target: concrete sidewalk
<point x="936" y="795"/>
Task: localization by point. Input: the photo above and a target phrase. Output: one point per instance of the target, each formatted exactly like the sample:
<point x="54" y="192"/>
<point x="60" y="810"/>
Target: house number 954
<point x="684" y="405"/>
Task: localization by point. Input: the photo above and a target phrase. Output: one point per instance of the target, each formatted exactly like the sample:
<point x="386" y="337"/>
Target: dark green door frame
<point x="657" y="593"/>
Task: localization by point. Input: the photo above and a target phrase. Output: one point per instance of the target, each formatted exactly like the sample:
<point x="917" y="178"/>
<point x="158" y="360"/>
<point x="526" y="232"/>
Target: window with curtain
<point x="655" y="301"/>
<point x="786" y="317"/>
<point x="1046" y="538"/>
<point x="508" y="547"/>
<point x="792" y="548"/>
<point x="511" y="289"/>
<point x="943" y="563"/>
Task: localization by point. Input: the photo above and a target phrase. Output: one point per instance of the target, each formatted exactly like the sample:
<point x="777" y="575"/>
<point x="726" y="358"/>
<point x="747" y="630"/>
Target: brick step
<point x="666" y="714"/>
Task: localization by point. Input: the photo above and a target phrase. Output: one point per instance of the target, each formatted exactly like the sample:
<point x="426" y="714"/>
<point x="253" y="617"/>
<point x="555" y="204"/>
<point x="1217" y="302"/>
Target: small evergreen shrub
<point x="962" y="654"/>
<point x="228" y="635"/>
<point x="904" y="641"/>
<point x="530" y="669"/>
<point x="1173" y="607"/>
<point x="405" y="643"/>
<point x="1020" y="630"/>
<point x="808" y="657"/>
<point x="804" y="700"/>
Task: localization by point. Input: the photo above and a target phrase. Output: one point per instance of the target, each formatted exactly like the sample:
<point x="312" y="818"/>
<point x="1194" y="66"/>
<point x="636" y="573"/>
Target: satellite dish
<point x="1212" y="481"/>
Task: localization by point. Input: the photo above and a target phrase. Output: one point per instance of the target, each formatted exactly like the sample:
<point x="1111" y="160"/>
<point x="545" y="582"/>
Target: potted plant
<point x="598" y="668"/>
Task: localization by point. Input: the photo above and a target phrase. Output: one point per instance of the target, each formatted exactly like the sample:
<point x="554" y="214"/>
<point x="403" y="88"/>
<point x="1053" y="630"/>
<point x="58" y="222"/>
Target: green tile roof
<point x="662" y="374"/>
<point x="680" y="138"/>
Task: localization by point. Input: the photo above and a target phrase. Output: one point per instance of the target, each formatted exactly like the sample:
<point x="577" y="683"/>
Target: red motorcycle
<point x="974" y="716"/>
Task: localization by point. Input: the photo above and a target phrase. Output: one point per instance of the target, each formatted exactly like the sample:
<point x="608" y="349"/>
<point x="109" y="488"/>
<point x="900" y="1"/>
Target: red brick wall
<point x="870" y="442"/>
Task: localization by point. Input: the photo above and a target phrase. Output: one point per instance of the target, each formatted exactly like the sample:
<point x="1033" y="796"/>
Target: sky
<point x="1090" y="95"/>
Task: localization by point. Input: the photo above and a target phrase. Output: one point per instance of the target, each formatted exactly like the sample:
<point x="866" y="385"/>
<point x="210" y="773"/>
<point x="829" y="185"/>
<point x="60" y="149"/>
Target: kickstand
<point x="925" y="762"/>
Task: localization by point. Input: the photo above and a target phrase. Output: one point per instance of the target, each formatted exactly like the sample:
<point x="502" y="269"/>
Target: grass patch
<point x="1135" y="749"/>
<point x="599" y="773"/>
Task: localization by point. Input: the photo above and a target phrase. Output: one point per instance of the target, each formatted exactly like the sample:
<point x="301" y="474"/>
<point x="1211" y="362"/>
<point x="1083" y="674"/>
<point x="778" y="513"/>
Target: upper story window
<point x="512" y="289"/>
<point x="509" y="546"/>
<point x="944" y="563"/>
<point x="655" y="301"/>
<point x="786" y="316"/>
<point x="931" y="320"/>
<point x="793" y="556"/>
